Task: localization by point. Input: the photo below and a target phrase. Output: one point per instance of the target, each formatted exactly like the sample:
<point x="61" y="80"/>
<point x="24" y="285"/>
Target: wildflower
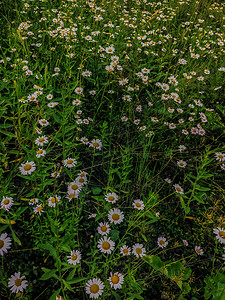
<point x="53" y="200"/>
<point x="220" y="234"/>
<point x="55" y="174"/>
<point x="106" y="245"/>
<point x="172" y="126"/>
<point x="49" y="96"/>
<point x="52" y="104"/>
<point x="43" y="122"/>
<point x="103" y="228"/>
<point x="94" y="288"/>
<point x="5" y="243"/>
<point x="182" y="148"/>
<point x="168" y="180"/>
<point x="41" y="140"/>
<point x="92" y="216"/>
<point x="33" y="201"/>
<point x="87" y="73"/>
<point x="138" y="250"/>
<point x="27" y="168"/>
<point x="124" y="119"/>
<point x="115" y="216"/>
<point x="181" y="164"/>
<point x="138" y="204"/>
<point x="109" y="49"/>
<point x="69" y="162"/>
<point x="125" y="250"/>
<point x="185" y="242"/>
<point x="74" y="257"/>
<point x="162" y="243"/>
<point x="16" y="283"/>
<point x="123" y="81"/>
<point x="178" y="189"/>
<point x="6" y="203"/>
<point x="40" y="153"/>
<point x="220" y="156"/>
<point x="76" y="102"/>
<point x="198" y="250"/>
<point x="38" y="209"/>
<point x="79" y="90"/>
<point x="194" y="130"/>
<point x="111" y="197"/>
<point x="96" y="143"/>
<point x="116" y="280"/>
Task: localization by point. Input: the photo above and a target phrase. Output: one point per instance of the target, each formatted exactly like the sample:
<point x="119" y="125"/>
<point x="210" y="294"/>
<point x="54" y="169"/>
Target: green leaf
<point x="70" y="276"/>
<point x="50" y="248"/>
<point x="53" y="297"/>
<point x="117" y="296"/>
<point x="154" y="261"/>
<point x="48" y="274"/>
<point x="96" y="190"/>
<point x="114" y="234"/>
<point x="76" y="280"/>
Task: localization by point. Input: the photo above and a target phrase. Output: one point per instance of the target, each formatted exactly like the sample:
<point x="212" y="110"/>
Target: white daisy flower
<point x="69" y="162"/>
<point x="74" y="257"/>
<point x="96" y="143"/>
<point x="162" y="243"/>
<point x="53" y="200"/>
<point x="52" y="104"/>
<point x="103" y="228"/>
<point x="138" y="204"/>
<point x="115" y="216"/>
<point x="92" y="216"/>
<point x="178" y="189"/>
<point x="33" y="201"/>
<point x="220" y="156"/>
<point x="125" y="250"/>
<point x="116" y="280"/>
<point x="38" y="209"/>
<point x="40" y="141"/>
<point x="198" y="250"/>
<point x="109" y="49"/>
<point x="111" y="197"/>
<point x="84" y="140"/>
<point x="74" y="187"/>
<point x="6" y="203"/>
<point x="182" y="148"/>
<point x="49" y="96"/>
<point x="181" y="164"/>
<point x="16" y="283"/>
<point x="106" y="245"/>
<point x="220" y="234"/>
<point x="82" y="180"/>
<point x="94" y="288"/>
<point x="38" y="130"/>
<point x="185" y="242"/>
<point x="79" y="90"/>
<point x="40" y="152"/>
<point x="27" y="168"/>
<point x="138" y="250"/>
<point x="43" y="122"/>
<point x="5" y="243"/>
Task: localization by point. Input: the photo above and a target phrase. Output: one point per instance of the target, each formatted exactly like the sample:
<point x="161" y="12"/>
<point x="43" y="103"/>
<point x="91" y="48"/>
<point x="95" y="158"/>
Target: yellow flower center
<point x="44" y="122"/>
<point x="115" y="217"/>
<point x="138" y="251"/>
<point x="106" y="245"/>
<point x="18" y="282"/>
<point x="138" y="204"/>
<point x="94" y="288"/>
<point x="178" y="189"/>
<point x="71" y="196"/>
<point x="39" y="151"/>
<point x="81" y="180"/>
<point x="222" y="234"/>
<point x="41" y="140"/>
<point x="198" y="250"/>
<point x="115" y="279"/>
<point x="32" y="98"/>
<point x="6" y="201"/>
<point x="96" y="144"/>
<point x="220" y="156"/>
<point x="125" y="251"/>
<point x="69" y="161"/>
<point x="73" y="256"/>
<point x="111" y="198"/>
<point x="53" y="200"/>
<point x="27" y="167"/>
<point x="74" y="187"/>
<point x="161" y="242"/>
<point x="103" y="228"/>
<point x="39" y="208"/>
<point x="1" y="244"/>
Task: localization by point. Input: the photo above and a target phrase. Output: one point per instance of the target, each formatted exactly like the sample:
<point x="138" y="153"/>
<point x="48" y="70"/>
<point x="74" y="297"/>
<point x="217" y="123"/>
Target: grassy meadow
<point x="112" y="149"/>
